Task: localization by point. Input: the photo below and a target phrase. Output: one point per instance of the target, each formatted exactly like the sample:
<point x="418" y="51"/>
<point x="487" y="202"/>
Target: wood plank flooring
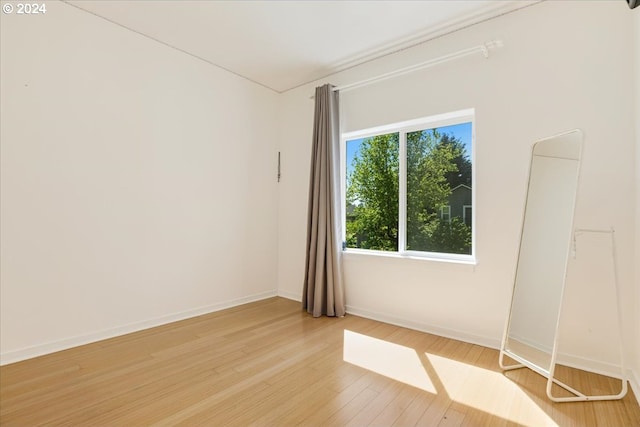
<point x="270" y="364"/>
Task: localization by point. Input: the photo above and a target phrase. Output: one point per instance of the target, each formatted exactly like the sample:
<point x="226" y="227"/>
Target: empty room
<point x="320" y="213"/>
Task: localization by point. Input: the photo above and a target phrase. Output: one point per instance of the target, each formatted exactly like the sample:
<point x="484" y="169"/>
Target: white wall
<point x="137" y="183"/>
<point x="565" y="65"/>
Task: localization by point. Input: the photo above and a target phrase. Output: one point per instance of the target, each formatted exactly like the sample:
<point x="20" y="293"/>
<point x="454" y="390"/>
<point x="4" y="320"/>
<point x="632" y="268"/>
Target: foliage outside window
<point x="409" y="187"/>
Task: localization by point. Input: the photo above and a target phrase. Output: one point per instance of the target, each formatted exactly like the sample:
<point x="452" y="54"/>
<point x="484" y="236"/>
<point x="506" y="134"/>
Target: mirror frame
<point x="521" y="360"/>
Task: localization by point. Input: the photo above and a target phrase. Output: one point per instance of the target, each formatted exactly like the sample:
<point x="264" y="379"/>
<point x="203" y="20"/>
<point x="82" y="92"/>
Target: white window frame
<point x="402" y="128"/>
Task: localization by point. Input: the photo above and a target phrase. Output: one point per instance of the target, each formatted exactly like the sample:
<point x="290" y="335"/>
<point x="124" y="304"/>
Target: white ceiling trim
<point x="447" y="27"/>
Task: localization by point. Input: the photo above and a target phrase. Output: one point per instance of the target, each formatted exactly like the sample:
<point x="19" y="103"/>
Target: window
<point x="466" y="217"/>
<point x="409" y="187"/>
<point x="445" y="213"/>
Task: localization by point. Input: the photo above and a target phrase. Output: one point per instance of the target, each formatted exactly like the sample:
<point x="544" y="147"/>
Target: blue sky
<point x="461" y="131"/>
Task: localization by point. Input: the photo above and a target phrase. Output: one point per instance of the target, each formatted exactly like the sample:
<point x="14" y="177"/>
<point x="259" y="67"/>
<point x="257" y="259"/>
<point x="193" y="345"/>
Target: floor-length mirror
<point x="544" y="248"/>
<point x="531" y="333"/>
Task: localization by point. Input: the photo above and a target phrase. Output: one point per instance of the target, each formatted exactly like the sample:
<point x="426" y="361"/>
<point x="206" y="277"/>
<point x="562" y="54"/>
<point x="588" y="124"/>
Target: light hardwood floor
<point x="269" y="363"/>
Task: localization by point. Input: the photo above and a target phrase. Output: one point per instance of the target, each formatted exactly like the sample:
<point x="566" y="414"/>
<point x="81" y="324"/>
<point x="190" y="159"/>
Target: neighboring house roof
<point x="461" y="185"/>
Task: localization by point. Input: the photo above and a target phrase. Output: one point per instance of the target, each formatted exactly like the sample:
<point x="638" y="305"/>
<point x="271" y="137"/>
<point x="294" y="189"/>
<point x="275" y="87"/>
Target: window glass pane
<point x="439" y="176"/>
<point x="372" y="192"/>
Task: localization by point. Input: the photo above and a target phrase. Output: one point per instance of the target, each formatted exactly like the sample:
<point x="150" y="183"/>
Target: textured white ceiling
<point x="283" y="44"/>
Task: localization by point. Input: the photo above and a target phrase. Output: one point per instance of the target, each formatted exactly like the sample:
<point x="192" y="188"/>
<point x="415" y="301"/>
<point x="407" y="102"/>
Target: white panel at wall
<point x="635" y="364"/>
<point x="565" y="65"/>
<point x="136" y="183"/>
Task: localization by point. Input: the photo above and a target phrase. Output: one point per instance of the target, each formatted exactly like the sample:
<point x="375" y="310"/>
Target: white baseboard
<point x="51" y="347"/>
<point x="585" y="364"/>
<point x="578" y="362"/>
<point x="290" y="295"/>
<point x="423" y="327"/>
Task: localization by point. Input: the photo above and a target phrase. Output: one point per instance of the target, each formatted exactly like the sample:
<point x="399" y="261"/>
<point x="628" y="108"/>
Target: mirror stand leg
<point x="580" y="397"/>
<point x="508" y="367"/>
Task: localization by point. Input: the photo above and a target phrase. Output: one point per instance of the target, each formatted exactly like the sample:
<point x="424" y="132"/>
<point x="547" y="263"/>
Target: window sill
<point x="471" y="261"/>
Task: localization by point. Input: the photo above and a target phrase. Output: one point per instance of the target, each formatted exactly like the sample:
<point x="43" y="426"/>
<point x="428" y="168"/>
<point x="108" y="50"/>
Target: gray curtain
<point x="323" y="287"/>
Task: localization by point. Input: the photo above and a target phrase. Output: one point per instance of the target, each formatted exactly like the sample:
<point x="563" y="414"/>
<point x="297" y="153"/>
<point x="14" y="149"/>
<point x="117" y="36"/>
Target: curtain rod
<point x="483" y="48"/>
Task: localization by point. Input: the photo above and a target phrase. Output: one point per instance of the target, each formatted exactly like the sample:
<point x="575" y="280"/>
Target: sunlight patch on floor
<point x="483" y="389"/>
<point x="488" y="391"/>
<point x="385" y="358"/>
